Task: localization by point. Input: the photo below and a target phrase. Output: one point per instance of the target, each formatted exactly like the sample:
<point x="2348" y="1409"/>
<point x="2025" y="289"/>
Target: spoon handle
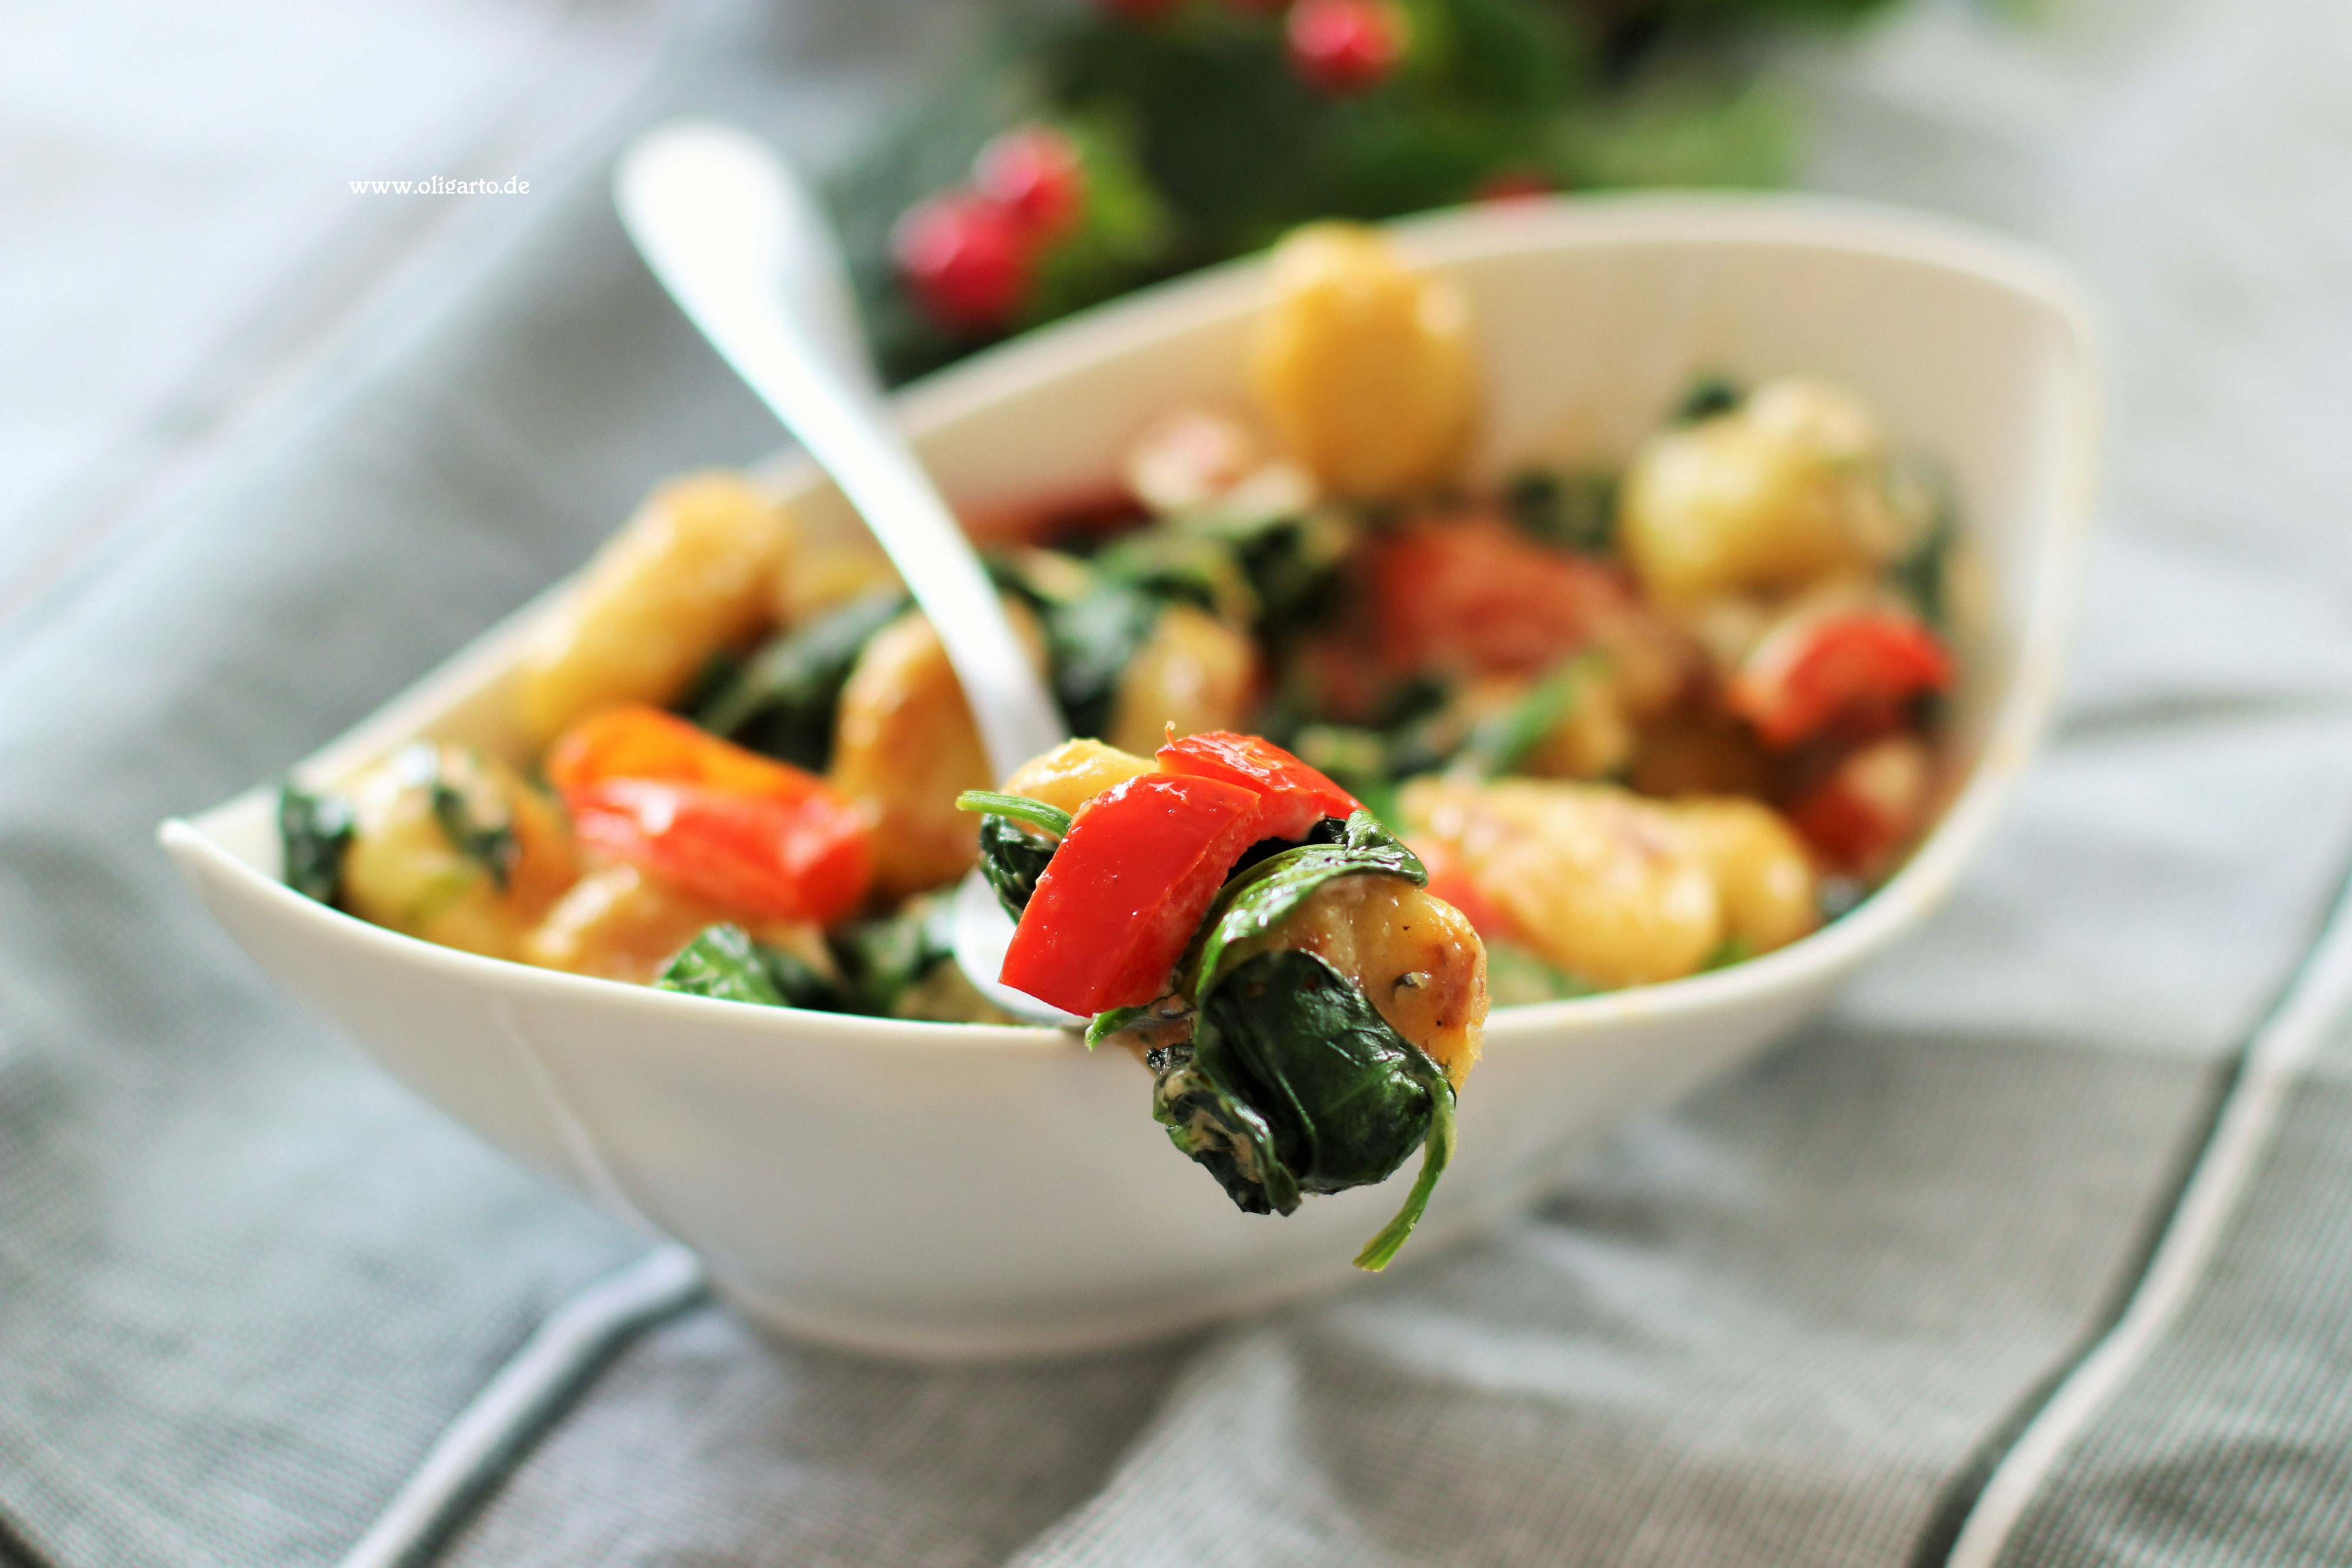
<point x="741" y="248"/>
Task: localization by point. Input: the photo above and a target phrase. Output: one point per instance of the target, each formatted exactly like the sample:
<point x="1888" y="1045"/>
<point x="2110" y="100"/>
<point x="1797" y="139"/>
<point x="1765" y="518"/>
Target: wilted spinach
<point x="881" y="960"/>
<point x="1261" y="898"/>
<point x="1294" y="1083"/>
<point x="784" y="699"/>
<point x="722" y="961"/>
<point x="1091" y="640"/>
<point x="1923" y="575"/>
<point x="726" y="963"/>
<point x="1576" y="511"/>
<point x="315" y="832"/>
<point x="472" y="811"/>
<point x="1012" y="857"/>
<point x="1705" y="397"/>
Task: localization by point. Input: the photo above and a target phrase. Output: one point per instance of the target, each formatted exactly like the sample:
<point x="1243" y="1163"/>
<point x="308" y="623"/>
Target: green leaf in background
<point x="882" y="960"/>
<point x="1516" y="977"/>
<point x="470" y="808"/>
<point x="723" y="964"/>
<point x="1574" y="511"/>
<point x="784" y="699"/>
<point x="1090" y="643"/>
<point x="314" y="830"/>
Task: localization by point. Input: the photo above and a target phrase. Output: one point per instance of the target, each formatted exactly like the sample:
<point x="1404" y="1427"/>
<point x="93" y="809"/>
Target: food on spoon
<point x="1308" y="1008"/>
<point x="1633" y="727"/>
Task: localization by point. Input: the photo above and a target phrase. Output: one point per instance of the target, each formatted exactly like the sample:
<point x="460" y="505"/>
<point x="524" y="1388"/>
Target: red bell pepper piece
<point x="778" y="860"/>
<point x="641" y="742"/>
<point x="1119" y="902"/>
<point x="745" y="831"/>
<point x="1295" y="795"/>
<point x="1852" y="670"/>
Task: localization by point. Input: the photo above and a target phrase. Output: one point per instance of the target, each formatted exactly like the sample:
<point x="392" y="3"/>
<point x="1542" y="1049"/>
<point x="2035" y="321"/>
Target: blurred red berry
<point x="1033" y="170"/>
<point x="965" y="258"/>
<point x="1345" y="45"/>
<point x="1512" y="185"/>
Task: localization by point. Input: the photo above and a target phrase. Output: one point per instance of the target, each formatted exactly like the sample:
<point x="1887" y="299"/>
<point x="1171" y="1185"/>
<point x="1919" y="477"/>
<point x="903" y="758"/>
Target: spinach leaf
<point x="1091" y="642"/>
<point x="881" y="960"/>
<point x="1705" y="397"/>
<point x="1171" y="563"/>
<point x="1292" y="564"/>
<point x="1294" y="1083"/>
<point x="1732" y="949"/>
<point x="1012" y="857"/>
<point x="1038" y="814"/>
<point x="1258" y="900"/>
<point x="782" y="701"/>
<point x="1575" y="511"/>
<point x="472" y="811"/>
<point x="1109" y="1022"/>
<point x="315" y="831"/>
<point x="1502" y="743"/>
<point x="722" y="961"/>
<point x="1923" y="575"/>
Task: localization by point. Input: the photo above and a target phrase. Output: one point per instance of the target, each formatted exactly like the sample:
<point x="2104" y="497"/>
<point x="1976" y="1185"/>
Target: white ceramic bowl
<point x="951" y="1191"/>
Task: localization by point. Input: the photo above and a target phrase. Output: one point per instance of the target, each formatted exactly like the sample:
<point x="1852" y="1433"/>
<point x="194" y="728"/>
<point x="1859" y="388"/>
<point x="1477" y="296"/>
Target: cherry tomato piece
<point x="1471" y="593"/>
<point x="1295" y="797"/>
<point x="1852" y="670"/>
<point x="1116" y="907"/>
<point x="805" y="859"/>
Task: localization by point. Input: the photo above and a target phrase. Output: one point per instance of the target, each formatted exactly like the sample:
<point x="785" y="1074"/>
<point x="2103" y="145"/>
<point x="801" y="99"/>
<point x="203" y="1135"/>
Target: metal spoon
<point x="745" y="250"/>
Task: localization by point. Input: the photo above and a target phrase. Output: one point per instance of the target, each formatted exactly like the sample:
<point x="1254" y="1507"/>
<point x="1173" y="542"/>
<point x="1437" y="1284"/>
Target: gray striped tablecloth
<point x="2033" y="1251"/>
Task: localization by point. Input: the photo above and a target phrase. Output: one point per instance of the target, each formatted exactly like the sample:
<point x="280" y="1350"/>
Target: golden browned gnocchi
<point x="1597" y="882"/>
<point x="452" y="846"/>
<point x="1415" y="958"/>
<point x="1074" y="772"/>
<point x="906" y="745"/>
<point x="1781" y="491"/>
<point x="1194" y="672"/>
<point x="694" y="572"/>
<point x="1364" y="366"/>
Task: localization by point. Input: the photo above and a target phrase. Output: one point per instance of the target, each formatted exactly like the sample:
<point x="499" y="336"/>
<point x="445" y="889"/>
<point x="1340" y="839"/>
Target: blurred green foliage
<point x="1200" y="143"/>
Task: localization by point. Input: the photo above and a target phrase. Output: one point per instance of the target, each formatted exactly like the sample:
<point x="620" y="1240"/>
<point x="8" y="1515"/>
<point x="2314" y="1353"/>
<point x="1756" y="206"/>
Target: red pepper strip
<point x="808" y="859"/>
<point x="1121" y="898"/>
<point x="641" y="742"/>
<point x="1856" y="668"/>
<point x="1297" y="797"/>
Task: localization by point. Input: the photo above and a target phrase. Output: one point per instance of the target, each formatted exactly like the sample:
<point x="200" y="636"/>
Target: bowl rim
<point x="1832" y="225"/>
